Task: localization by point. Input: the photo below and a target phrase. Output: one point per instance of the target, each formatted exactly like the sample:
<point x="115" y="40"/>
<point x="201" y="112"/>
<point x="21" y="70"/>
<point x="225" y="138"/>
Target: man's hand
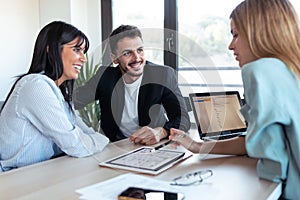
<point x="148" y="136"/>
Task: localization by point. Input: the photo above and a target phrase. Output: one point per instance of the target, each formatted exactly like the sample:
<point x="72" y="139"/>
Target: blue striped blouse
<point x="37" y="124"/>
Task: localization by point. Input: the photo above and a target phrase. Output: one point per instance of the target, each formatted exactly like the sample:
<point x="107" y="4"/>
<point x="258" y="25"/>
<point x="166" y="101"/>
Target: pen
<point x="162" y="145"/>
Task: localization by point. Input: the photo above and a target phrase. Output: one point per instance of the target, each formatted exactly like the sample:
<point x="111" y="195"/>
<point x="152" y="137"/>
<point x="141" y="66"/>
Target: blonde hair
<point x="271" y="28"/>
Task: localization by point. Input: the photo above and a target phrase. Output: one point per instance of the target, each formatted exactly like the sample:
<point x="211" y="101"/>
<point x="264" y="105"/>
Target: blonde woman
<point x="266" y="44"/>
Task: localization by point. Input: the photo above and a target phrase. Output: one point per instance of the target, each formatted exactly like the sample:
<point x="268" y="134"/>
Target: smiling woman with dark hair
<point x="37" y="121"/>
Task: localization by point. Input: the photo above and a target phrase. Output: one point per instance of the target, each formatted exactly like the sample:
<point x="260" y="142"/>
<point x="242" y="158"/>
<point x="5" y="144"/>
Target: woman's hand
<point x="182" y="138"/>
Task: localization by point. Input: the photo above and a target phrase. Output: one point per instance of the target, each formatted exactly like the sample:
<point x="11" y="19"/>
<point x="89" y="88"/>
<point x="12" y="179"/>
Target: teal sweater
<point x="272" y="111"/>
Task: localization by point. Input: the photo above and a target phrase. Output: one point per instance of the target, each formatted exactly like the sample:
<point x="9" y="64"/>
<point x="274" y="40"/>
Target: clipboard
<point x="146" y="160"/>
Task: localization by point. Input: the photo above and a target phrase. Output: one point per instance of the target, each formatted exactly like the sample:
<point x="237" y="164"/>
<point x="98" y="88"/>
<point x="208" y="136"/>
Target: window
<point x="205" y="63"/>
<point x="148" y="17"/>
<point x="201" y="37"/>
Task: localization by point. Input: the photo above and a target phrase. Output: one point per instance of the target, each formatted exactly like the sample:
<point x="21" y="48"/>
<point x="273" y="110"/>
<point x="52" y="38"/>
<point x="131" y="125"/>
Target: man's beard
<point x="132" y="72"/>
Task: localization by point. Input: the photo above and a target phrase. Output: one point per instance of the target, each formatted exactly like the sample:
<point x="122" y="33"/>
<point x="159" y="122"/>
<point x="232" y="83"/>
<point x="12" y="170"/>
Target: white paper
<point x="110" y="189"/>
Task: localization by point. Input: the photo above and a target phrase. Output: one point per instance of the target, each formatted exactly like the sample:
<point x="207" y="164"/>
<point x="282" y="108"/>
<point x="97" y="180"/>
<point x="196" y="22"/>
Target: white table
<point x="234" y="177"/>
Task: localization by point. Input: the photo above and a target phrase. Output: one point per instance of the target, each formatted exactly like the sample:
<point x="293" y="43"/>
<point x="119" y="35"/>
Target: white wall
<point x="86" y="15"/>
<point x="20" y="22"/>
<point x="54" y="10"/>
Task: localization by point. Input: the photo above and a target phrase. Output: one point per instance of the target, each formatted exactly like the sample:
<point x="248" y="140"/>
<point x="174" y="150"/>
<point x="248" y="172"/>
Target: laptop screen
<point x="218" y="113"/>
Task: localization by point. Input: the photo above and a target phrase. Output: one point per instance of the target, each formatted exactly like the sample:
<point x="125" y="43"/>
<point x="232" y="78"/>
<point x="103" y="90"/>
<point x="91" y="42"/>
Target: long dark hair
<point x="47" y="55"/>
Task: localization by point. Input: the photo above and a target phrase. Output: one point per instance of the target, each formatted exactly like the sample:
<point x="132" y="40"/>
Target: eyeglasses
<point x="192" y="178"/>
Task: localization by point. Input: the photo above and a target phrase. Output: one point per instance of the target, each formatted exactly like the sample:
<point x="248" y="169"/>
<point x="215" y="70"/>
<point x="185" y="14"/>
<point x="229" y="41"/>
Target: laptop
<point x="217" y="114"/>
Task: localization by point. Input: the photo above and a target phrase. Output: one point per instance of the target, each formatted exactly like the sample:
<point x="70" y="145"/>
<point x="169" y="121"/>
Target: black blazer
<point x="158" y="95"/>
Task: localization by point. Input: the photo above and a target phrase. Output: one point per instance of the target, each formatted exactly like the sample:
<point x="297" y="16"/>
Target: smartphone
<point x="135" y="193"/>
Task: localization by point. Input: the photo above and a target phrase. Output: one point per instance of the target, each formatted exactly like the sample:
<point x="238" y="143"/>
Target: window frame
<point x="170" y="27"/>
<point x="170" y="56"/>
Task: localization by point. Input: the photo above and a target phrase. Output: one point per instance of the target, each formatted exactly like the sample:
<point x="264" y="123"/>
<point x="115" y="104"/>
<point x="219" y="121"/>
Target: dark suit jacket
<point x="158" y="95"/>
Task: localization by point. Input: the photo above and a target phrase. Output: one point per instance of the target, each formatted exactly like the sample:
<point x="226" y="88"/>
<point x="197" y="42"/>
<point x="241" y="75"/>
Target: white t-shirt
<point x="130" y="121"/>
